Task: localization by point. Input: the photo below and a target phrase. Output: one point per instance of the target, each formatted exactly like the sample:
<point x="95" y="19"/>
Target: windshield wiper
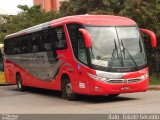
<point x="125" y="49"/>
<point x="113" y="55"/>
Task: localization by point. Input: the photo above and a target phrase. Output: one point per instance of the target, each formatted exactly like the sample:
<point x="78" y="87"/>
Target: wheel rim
<point x="69" y="89"/>
<point x="19" y="83"/>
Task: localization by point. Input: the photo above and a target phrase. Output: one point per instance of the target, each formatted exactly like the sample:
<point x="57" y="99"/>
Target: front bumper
<point x="100" y="88"/>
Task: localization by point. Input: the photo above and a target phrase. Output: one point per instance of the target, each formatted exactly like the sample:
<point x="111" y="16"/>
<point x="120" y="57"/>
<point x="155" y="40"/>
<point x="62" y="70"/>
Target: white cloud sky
<point x="10" y="6"/>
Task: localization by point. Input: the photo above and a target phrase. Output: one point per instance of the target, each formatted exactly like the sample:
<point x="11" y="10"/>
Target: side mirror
<point x="87" y="38"/>
<point x="152" y="37"/>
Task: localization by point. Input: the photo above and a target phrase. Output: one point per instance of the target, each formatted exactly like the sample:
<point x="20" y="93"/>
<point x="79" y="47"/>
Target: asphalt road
<point x="38" y="101"/>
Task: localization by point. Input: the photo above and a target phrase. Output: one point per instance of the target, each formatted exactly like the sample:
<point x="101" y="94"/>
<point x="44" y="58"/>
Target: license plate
<point x="125" y="88"/>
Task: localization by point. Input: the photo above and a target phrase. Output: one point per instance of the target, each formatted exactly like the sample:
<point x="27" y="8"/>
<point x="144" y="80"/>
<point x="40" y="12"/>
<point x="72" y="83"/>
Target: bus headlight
<point x="144" y="76"/>
<point x="99" y="78"/>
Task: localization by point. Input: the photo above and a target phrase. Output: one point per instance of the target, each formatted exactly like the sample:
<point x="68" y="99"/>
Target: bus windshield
<point x="116" y="47"/>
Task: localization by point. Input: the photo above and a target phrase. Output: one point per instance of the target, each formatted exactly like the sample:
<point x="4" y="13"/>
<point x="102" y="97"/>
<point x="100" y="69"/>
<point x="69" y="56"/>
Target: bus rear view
<point x="103" y="55"/>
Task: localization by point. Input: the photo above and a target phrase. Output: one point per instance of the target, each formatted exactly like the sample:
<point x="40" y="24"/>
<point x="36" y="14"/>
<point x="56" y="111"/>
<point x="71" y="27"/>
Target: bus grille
<point x="133" y="80"/>
<point x="116" y="81"/>
<point x="121" y="81"/>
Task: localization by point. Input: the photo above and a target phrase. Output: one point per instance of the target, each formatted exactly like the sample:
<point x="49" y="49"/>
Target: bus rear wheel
<point x="19" y="83"/>
<point x="67" y="92"/>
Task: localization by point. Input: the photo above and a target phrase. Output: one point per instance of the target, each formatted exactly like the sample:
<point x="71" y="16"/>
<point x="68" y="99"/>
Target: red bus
<point x="83" y="54"/>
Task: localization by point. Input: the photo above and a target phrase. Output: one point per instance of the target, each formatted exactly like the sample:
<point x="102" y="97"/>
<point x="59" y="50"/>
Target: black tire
<point x="19" y="83"/>
<point x="67" y="92"/>
<point x="113" y="95"/>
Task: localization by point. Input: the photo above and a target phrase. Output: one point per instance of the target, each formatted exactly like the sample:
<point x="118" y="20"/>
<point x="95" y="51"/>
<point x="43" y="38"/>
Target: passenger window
<point x="48" y="39"/>
<point x="23" y="44"/>
<point x="40" y="41"/>
<point x="35" y="41"/>
<point x="8" y="46"/>
<point x="12" y="46"/>
<point x="16" y="46"/>
<point x="60" y="39"/>
<point x="77" y="42"/>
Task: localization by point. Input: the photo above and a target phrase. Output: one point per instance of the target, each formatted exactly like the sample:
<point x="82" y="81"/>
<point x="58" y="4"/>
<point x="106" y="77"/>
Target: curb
<point x="154" y="87"/>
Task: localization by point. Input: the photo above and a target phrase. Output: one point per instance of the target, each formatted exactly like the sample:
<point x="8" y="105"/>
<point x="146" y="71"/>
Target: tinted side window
<point x="48" y="39"/>
<point x="73" y="33"/>
<point x="26" y="44"/>
<point x="60" y="39"/>
<point x="77" y="42"/>
<point x="29" y="43"/>
<point x="36" y="43"/>
<point x="16" y="45"/>
<point x="8" y="46"/>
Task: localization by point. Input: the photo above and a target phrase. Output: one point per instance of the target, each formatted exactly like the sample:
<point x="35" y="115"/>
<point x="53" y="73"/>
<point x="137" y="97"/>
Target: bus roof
<point x="95" y="20"/>
<point x="102" y="20"/>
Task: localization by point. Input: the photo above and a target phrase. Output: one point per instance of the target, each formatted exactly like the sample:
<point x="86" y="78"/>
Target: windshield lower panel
<point x="116" y="48"/>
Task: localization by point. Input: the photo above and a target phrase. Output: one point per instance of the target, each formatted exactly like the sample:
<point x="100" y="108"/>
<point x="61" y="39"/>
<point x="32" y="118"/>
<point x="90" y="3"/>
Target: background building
<point x="49" y="5"/>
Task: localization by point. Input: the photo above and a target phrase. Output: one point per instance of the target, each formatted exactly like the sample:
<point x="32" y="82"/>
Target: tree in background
<point x="145" y="12"/>
<point x="75" y="7"/>
<point x="2" y="31"/>
<point x="27" y="18"/>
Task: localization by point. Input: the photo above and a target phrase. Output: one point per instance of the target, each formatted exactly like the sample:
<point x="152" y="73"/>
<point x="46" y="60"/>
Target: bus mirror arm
<point x="87" y="38"/>
<point x="152" y="37"/>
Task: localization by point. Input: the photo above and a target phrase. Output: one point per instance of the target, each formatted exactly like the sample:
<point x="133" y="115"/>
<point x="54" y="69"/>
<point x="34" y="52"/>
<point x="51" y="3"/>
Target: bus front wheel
<point x="67" y="92"/>
<point x="19" y="83"/>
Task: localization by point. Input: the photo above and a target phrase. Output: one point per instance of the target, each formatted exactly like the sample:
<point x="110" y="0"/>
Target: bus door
<point x="80" y="54"/>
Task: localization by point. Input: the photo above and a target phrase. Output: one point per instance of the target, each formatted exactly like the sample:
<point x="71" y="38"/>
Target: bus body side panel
<point x="35" y="69"/>
<point x="55" y="83"/>
<point x="82" y="80"/>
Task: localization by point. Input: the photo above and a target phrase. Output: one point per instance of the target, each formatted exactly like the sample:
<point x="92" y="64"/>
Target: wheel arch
<point x="64" y="76"/>
<point x="16" y="74"/>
